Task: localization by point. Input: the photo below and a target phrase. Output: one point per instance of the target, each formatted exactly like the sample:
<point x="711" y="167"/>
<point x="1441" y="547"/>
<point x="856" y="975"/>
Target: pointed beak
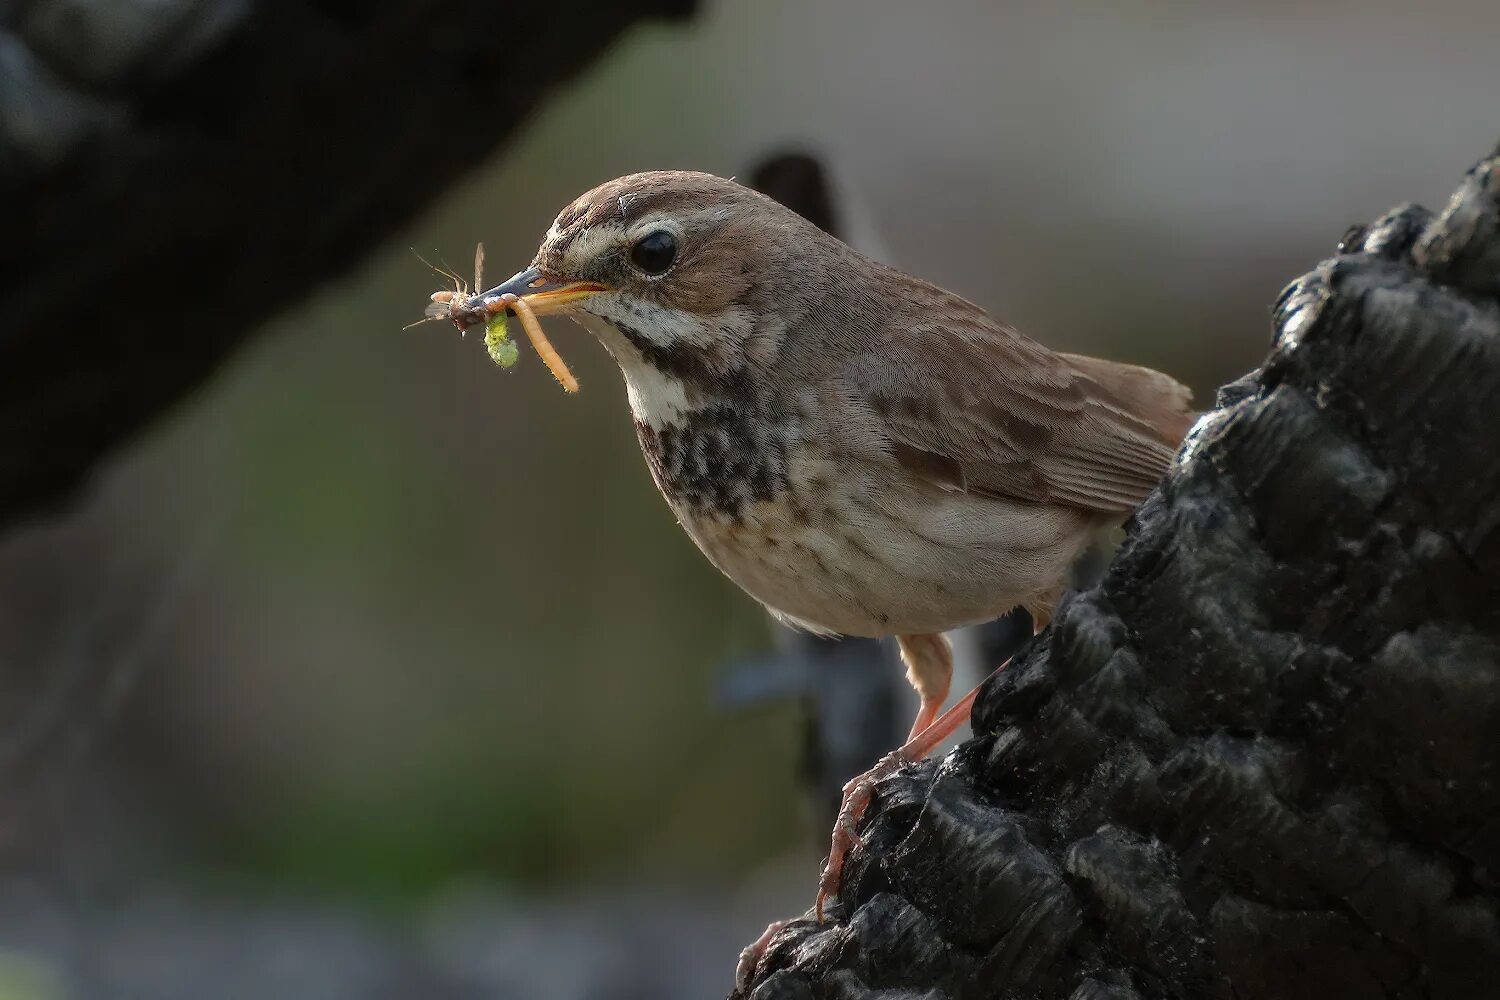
<point x="542" y="295"/>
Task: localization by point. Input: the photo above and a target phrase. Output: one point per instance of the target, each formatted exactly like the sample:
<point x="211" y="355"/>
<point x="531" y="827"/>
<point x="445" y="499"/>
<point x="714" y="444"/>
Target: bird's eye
<point x="654" y="252"/>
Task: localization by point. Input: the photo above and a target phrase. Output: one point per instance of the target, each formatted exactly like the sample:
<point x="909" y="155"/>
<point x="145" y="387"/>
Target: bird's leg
<point x="858" y="791"/>
<point x="750" y="956"/>
<point x="1041" y="617"/>
<point x="857" y="796"/>
<point x="929" y="669"/>
<point x="923" y="741"/>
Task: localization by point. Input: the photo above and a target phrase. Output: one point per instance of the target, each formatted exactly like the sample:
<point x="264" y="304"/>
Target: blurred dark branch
<point x="172" y="175"/>
<point x="1259" y="760"/>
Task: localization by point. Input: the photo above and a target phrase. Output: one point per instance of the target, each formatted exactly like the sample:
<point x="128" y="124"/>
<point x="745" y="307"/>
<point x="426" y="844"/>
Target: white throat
<point x="656" y="398"/>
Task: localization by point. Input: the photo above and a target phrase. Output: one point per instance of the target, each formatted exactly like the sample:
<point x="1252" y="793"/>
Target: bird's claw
<point x="752" y="953"/>
<point x="857" y="795"/>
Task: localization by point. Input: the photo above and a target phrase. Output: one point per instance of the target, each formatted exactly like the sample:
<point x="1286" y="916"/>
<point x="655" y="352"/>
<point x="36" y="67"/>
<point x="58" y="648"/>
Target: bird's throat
<point x="712" y="448"/>
<point x="664" y="384"/>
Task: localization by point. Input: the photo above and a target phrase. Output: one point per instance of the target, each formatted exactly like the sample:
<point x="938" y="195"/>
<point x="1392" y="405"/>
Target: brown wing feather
<point x="995" y="413"/>
<point x="1160" y="399"/>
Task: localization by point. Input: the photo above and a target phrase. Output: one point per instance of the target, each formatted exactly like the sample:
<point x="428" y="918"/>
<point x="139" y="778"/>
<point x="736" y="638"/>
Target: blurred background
<point x="374" y="670"/>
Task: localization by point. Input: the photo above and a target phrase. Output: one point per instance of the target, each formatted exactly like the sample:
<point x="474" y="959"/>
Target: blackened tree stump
<point x="1260" y="760"/>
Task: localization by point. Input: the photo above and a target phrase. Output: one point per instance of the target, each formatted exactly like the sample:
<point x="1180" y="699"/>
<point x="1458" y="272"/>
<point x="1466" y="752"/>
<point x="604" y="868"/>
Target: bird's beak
<point x="541" y="295"/>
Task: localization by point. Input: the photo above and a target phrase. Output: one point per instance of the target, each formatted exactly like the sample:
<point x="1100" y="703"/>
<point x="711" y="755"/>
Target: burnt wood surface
<point x="174" y="173"/>
<point x="1261" y="759"/>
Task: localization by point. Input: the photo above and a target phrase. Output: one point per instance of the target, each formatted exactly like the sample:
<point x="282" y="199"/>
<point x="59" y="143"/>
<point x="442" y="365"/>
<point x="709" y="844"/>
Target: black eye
<point x="654" y="252"/>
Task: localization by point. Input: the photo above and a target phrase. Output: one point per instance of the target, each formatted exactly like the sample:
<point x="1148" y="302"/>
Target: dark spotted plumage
<point x="717" y="460"/>
<point x="680" y="361"/>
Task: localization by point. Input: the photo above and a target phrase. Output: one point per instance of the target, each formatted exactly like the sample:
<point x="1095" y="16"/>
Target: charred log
<point x="1259" y="760"/>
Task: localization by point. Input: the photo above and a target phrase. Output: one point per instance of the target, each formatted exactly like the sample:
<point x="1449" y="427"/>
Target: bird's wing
<point x="971" y="404"/>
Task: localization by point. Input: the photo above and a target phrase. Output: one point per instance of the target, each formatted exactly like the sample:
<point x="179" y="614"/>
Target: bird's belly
<point x="874" y="553"/>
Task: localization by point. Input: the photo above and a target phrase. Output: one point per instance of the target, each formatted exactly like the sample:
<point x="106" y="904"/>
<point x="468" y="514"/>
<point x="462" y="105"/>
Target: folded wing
<point x="971" y="404"/>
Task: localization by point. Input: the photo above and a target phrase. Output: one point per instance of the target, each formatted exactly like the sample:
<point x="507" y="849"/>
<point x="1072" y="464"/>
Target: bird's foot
<point x="750" y="957"/>
<point x="857" y="795"/>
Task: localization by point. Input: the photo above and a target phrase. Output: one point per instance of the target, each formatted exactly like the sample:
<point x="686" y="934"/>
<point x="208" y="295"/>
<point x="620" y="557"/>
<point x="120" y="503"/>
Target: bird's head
<point x="688" y="279"/>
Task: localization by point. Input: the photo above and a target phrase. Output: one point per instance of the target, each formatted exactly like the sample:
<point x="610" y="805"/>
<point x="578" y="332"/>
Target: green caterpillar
<point x="502" y="349"/>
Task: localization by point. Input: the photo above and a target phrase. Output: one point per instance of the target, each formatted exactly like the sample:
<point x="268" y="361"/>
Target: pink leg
<point x="929" y="669"/>
<point x="749" y="961"/>
<point x="858" y="791"/>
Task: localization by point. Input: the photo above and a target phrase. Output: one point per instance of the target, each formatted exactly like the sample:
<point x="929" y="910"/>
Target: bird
<point x="861" y="451"/>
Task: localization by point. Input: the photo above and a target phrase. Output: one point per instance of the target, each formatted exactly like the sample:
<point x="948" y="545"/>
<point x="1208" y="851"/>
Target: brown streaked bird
<point x="861" y="451"/>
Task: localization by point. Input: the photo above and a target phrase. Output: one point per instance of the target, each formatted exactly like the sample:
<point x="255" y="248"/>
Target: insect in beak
<point x="541" y="296"/>
<point x="528" y="294"/>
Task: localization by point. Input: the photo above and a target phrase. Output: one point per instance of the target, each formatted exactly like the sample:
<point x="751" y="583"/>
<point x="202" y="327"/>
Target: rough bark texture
<point x="174" y="172"/>
<point x="1262" y="758"/>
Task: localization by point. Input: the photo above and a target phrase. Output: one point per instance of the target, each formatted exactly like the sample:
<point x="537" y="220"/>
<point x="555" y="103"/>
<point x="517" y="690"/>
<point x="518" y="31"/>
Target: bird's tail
<point x="1160" y="400"/>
